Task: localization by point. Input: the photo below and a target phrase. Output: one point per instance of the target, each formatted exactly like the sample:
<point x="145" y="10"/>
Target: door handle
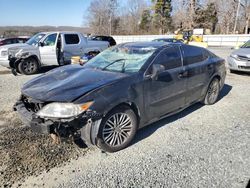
<point x="183" y="74"/>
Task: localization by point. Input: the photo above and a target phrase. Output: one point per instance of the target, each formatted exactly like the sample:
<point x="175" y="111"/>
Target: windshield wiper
<point x="118" y="60"/>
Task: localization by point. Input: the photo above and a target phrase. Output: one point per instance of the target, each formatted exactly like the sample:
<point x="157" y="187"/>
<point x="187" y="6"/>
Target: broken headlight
<point x="63" y="110"/>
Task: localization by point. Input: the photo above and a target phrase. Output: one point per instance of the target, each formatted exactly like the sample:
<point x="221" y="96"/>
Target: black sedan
<point x="13" y="40"/>
<point x="122" y="89"/>
<point x="109" y="39"/>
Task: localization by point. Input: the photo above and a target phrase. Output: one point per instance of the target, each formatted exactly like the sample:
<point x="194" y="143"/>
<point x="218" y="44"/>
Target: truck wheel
<point x="117" y="129"/>
<point x="28" y="66"/>
<point x="212" y="92"/>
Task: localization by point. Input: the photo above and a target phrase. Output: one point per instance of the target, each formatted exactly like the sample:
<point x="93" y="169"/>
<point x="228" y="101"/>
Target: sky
<point x="43" y="12"/>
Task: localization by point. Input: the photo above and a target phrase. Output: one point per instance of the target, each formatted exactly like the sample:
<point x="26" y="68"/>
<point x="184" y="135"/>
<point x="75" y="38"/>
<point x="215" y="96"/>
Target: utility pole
<point x="110" y="25"/>
<point x="237" y="15"/>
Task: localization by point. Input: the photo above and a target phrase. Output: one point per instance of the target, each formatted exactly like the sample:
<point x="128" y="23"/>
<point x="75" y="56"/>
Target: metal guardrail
<point x="212" y="40"/>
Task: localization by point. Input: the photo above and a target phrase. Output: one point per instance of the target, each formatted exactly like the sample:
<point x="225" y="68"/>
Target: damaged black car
<point x="122" y="89"/>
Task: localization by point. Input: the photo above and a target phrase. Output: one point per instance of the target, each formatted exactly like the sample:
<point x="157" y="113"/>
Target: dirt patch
<point x="24" y="153"/>
<point x="5" y="72"/>
<point x="9" y="119"/>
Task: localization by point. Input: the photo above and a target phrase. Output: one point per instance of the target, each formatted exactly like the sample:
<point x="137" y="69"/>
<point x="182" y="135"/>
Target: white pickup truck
<point x="48" y="48"/>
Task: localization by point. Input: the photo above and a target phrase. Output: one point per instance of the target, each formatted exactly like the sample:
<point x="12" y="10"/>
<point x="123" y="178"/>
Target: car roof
<point x="153" y="44"/>
<point x="15" y="38"/>
<point x="100" y="36"/>
<point x="62" y="32"/>
<point x="165" y="39"/>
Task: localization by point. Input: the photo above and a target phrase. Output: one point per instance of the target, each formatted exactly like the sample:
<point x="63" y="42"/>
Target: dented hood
<point x="67" y="83"/>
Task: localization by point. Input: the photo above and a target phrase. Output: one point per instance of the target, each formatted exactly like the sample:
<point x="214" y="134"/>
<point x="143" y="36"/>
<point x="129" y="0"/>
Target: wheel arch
<point x="219" y="78"/>
<point x="131" y="105"/>
<point x="26" y="57"/>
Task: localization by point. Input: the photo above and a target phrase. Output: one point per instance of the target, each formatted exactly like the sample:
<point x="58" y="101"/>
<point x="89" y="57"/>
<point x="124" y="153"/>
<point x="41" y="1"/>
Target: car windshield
<point x="246" y="45"/>
<point x="35" y="39"/>
<point x="125" y="58"/>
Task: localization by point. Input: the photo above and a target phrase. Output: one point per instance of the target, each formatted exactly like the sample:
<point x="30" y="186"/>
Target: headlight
<point x="4" y="53"/>
<point x="234" y="56"/>
<point x="63" y="110"/>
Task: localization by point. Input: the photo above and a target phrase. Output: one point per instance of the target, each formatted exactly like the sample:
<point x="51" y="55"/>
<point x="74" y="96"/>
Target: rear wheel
<point x="212" y="92"/>
<point x="117" y="129"/>
<point x="28" y="66"/>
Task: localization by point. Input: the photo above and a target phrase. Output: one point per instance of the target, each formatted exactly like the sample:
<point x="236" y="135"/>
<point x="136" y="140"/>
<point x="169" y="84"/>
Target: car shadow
<point x="241" y="73"/>
<point x="150" y="129"/>
<point x="46" y="69"/>
<point x="225" y="90"/>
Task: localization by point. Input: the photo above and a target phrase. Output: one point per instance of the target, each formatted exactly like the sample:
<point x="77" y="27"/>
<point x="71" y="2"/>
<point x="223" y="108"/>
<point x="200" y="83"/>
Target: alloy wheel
<point x="117" y="129"/>
<point x="28" y="66"/>
<point x="213" y="91"/>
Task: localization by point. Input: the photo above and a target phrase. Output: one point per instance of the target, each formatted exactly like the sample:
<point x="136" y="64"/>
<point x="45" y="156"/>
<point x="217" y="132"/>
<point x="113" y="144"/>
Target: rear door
<point x="167" y="93"/>
<point x="197" y="66"/>
<point x="48" y="50"/>
<point x="72" y="45"/>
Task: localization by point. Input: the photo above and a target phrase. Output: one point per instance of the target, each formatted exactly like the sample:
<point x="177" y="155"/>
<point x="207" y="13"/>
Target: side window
<point x="170" y="58"/>
<point x="71" y="39"/>
<point x="206" y="54"/>
<point x="192" y="54"/>
<point x="50" y="40"/>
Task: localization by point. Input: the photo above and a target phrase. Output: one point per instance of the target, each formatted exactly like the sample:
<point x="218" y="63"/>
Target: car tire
<point x="117" y="129"/>
<point x="28" y="66"/>
<point x="212" y="92"/>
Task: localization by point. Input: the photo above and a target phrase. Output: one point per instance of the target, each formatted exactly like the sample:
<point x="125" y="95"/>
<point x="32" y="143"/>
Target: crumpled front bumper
<point x="29" y="119"/>
<point x="87" y="125"/>
<point x="4" y="62"/>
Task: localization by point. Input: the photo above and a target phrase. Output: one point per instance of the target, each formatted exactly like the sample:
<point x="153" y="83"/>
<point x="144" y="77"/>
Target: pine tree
<point x="145" y="20"/>
<point x="207" y="17"/>
<point x="162" y="15"/>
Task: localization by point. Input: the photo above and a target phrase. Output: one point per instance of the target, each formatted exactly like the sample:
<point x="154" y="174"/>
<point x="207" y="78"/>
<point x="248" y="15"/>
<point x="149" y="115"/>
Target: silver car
<point x="239" y="60"/>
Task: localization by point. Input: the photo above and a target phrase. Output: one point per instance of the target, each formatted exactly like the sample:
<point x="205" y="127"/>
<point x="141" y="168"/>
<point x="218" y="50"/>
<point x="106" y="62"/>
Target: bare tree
<point x="226" y="14"/>
<point x="138" y="16"/>
<point x="130" y="16"/>
<point x="245" y="4"/>
<point x="101" y="15"/>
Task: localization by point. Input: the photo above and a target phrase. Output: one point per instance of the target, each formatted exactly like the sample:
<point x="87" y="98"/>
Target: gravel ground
<point x="203" y="146"/>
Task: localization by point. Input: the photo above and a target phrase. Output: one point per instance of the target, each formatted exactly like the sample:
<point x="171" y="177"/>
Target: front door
<point x="48" y="52"/>
<point x="167" y="93"/>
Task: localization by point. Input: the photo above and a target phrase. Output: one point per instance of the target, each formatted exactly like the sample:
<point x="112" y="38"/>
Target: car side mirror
<point x="41" y="44"/>
<point x="156" y="70"/>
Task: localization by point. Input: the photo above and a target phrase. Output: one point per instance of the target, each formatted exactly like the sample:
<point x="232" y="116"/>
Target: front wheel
<point x="28" y="66"/>
<point x="117" y="129"/>
<point x="212" y="92"/>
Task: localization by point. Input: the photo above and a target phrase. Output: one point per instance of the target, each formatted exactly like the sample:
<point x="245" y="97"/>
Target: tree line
<point x="118" y="17"/>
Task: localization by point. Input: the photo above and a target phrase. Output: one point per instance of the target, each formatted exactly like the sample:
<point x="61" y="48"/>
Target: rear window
<point x="71" y="39"/>
<point x="192" y="54"/>
<point x="207" y="53"/>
